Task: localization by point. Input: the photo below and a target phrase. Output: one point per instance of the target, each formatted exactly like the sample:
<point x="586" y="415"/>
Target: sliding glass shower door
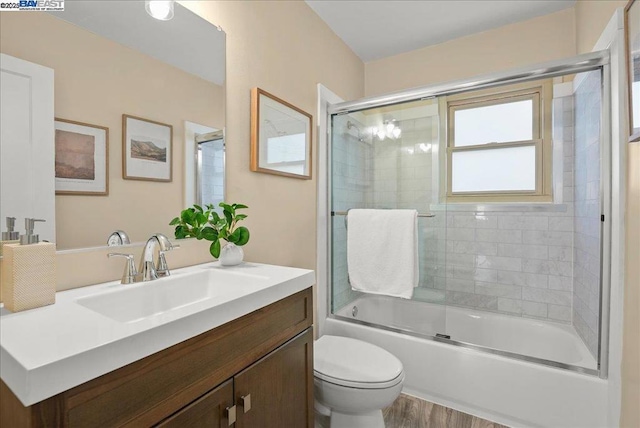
<point x="387" y="158"/>
<point x="510" y="184"/>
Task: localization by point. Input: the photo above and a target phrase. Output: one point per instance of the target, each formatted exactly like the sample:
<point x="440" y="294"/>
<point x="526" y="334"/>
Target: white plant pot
<point x="231" y="255"/>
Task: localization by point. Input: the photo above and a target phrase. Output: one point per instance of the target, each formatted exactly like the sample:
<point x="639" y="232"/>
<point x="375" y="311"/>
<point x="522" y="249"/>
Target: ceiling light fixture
<point x="162" y="10"/>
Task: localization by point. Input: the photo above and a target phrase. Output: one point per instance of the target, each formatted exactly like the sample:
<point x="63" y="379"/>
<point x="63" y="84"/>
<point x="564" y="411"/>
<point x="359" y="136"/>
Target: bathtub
<point x="474" y="379"/>
<point x="548" y="341"/>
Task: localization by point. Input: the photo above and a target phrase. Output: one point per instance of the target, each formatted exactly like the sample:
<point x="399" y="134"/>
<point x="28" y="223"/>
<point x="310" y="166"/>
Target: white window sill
<point x="500" y="207"/>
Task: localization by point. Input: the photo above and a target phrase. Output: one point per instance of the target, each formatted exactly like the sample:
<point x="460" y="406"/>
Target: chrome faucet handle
<point x="162" y="268"/>
<point x="130" y="272"/>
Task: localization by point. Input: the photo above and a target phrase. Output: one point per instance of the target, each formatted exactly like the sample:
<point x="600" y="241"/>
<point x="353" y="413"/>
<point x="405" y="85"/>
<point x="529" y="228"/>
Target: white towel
<point x="382" y="251"/>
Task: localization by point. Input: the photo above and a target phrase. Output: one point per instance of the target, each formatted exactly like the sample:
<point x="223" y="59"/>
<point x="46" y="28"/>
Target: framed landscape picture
<point x="82" y="158"/>
<point x="147" y="149"/>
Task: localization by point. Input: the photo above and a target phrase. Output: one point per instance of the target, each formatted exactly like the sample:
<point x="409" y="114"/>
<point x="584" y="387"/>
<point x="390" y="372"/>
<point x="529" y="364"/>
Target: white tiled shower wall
<point x="519" y="263"/>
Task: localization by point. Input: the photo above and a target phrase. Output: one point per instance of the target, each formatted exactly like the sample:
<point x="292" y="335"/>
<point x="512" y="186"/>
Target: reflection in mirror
<point x="280" y="137"/>
<point x="26" y="145"/>
<point x="210" y="168"/>
<point x="111" y="58"/>
<point x="204" y="160"/>
<point x="117" y="238"/>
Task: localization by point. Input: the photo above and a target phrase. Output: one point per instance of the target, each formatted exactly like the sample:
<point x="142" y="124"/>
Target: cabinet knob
<point x="231" y="414"/>
<point x="246" y="402"/>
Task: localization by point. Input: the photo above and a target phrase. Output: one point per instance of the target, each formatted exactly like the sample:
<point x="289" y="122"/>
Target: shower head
<point x="353" y="125"/>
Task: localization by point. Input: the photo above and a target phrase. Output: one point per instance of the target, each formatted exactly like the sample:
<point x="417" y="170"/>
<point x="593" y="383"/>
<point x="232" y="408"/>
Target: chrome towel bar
<point x="346" y="215"/>
<point x="334" y="213"/>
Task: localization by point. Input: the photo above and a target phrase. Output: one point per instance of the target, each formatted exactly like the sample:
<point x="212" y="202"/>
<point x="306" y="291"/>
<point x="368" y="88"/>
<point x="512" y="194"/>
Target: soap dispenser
<point x="11" y="236"/>
<point x="29" y="271"/>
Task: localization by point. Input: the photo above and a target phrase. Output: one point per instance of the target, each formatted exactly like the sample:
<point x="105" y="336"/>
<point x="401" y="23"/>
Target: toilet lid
<point x="350" y="362"/>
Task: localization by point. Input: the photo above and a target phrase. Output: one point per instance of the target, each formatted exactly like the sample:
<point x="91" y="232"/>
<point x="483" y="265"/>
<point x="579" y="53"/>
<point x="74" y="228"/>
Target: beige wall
<point x="96" y="81"/>
<point x="284" y="48"/>
<point x="592" y="16"/>
<point x="537" y="40"/>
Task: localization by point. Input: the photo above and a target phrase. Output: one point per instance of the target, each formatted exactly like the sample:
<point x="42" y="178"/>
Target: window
<point x="499" y="146"/>
<point x="287" y="153"/>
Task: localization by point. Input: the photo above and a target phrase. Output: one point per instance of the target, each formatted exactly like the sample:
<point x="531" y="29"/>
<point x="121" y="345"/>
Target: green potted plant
<point x="197" y="222"/>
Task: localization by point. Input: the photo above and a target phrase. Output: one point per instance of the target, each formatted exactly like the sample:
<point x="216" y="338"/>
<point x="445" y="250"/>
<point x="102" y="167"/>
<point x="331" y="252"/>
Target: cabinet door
<point x="207" y="411"/>
<point x="279" y="387"/>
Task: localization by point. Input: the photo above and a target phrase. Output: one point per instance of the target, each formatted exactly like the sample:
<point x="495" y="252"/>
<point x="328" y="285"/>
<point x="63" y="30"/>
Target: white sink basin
<point x="143" y="300"/>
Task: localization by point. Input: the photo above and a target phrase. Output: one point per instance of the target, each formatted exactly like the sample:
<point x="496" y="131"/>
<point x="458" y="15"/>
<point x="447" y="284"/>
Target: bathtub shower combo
<point x="510" y="176"/>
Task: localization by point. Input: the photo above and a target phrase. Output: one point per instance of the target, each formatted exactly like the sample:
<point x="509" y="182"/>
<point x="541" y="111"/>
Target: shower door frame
<point x="599" y="60"/>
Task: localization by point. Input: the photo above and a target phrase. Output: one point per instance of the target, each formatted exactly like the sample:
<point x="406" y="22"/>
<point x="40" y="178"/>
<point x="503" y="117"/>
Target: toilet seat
<point x="356" y="364"/>
<point x="359" y="385"/>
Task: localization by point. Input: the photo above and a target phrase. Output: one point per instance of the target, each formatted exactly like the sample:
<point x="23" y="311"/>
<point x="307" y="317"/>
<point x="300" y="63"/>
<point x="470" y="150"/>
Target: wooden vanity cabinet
<point x="278" y="387"/>
<point x="269" y="393"/>
<point x="264" y="358"/>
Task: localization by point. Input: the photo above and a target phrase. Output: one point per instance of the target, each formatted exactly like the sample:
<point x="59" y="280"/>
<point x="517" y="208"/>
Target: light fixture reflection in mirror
<point x="162" y="10"/>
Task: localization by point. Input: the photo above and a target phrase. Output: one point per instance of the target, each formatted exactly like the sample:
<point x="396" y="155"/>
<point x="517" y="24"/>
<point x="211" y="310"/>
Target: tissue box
<point x="28" y="276"/>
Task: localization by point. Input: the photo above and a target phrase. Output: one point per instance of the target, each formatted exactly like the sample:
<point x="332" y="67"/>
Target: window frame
<point x="541" y="96"/>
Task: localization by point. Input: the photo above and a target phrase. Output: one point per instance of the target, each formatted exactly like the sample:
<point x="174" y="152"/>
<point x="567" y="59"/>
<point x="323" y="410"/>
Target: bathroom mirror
<point x="110" y="58"/>
<point x="280" y="137"/>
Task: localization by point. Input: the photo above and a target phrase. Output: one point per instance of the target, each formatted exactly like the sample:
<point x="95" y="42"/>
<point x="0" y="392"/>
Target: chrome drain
<point x="354" y="311"/>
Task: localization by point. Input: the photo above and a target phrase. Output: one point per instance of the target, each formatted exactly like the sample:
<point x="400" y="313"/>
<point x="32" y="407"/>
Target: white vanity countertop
<point x="49" y="350"/>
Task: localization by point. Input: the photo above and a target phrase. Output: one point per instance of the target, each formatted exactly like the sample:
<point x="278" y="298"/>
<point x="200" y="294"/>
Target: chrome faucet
<point x="148" y="271"/>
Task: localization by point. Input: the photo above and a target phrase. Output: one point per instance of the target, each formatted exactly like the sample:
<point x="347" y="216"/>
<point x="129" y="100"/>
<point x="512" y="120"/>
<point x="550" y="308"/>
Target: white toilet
<point x="354" y="381"/>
